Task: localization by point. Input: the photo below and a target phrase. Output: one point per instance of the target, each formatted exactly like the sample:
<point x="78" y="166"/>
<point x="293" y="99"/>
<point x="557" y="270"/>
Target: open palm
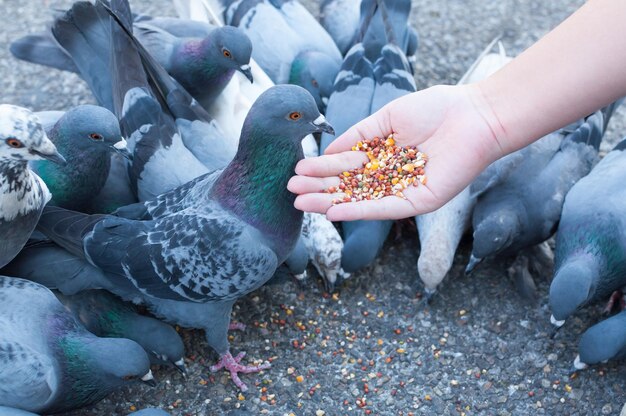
<point x="451" y="124"/>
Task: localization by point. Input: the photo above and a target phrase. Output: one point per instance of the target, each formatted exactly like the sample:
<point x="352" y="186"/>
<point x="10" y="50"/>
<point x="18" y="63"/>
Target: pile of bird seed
<point x="390" y="170"/>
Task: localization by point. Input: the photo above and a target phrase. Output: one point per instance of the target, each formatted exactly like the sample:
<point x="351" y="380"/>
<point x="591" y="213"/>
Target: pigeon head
<point x="315" y="72"/>
<point x="231" y="48"/>
<point x="118" y="360"/>
<point x="571" y="287"/>
<point x="284" y="111"/>
<point x="160" y="341"/>
<point x="495" y="233"/>
<point x="22" y="137"/>
<point x="602" y="342"/>
<point x="88" y="127"/>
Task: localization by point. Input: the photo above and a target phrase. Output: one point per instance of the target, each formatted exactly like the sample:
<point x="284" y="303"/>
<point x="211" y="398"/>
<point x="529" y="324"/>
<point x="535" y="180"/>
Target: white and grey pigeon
<point x="49" y="363"/>
<point x="202" y="61"/>
<point x="520" y="197"/>
<point x="205" y="244"/>
<point x="602" y="342"/>
<point x="22" y="193"/>
<point x="440" y="231"/>
<point x="340" y="18"/>
<point x="590" y="251"/>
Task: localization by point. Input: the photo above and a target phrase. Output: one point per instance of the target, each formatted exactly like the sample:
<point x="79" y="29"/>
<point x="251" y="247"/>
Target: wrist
<point x="497" y="142"/>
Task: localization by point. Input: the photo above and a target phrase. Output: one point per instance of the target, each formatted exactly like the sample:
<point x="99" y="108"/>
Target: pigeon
<point x="322" y="240"/>
<point x="211" y="241"/>
<point x="280" y="31"/>
<point x="167" y="131"/>
<point x="202" y="61"/>
<point x="22" y="193"/>
<point x="602" y="342"/>
<point x="150" y="412"/>
<point x="440" y="231"/>
<point x="340" y="18"/>
<point x="590" y="252"/>
<point x="520" y="197"/>
<point x="10" y="411"/>
<point x="314" y="71"/>
<point x="389" y="24"/>
<point x="107" y="316"/>
<point x="49" y="363"/>
<point x="86" y="135"/>
<point x="362" y="88"/>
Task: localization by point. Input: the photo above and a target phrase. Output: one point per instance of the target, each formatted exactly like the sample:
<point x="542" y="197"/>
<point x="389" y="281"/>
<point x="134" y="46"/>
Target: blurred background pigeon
<point x="602" y="342"/>
<point x="340" y="18"/>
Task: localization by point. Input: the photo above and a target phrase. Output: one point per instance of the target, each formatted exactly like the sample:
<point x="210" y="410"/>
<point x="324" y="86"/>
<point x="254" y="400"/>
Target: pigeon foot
<point x="236" y="326"/>
<point x="232" y="364"/>
<point x="616" y="300"/>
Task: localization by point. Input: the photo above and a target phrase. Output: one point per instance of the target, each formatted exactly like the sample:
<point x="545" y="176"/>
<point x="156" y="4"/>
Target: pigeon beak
<point x="148" y="379"/>
<point x="54" y="157"/>
<point x="121" y="147"/>
<point x="247" y="71"/>
<point x="471" y="265"/>
<point x="577" y="366"/>
<point x="321" y="125"/>
<point x="180" y="366"/>
<point x="557" y="326"/>
<point x="429" y="294"/>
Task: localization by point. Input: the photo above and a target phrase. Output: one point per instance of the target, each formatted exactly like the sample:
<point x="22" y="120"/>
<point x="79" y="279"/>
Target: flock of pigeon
<point x="171" y="193"/>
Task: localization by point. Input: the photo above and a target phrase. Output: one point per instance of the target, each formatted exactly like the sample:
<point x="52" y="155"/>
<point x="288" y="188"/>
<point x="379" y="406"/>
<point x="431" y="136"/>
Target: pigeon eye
<point x="315" y="83"/>
<point x="295" y="116"/>
<point x="14" y="143"/>
<point x="95" y="136"/>
<point x="226" y="53"/>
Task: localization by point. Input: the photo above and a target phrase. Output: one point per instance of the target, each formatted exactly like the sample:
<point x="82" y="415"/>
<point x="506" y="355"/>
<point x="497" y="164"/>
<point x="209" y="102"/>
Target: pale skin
<point x="577" y="68"/>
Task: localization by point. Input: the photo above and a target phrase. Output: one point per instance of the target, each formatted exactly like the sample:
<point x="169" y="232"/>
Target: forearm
<point x="577" y="68"/>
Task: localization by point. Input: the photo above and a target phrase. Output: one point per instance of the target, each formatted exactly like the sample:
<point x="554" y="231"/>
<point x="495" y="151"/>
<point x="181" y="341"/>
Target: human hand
<point x="453" y="125"/>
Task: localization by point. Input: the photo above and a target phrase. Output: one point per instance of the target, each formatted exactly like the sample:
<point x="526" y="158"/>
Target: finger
<point x="307" y="184"/>
<point x="330" y="165"/>
<point x="376" y="125"/>
<point x="316" y="202"/>
<point x="388" y="208"/>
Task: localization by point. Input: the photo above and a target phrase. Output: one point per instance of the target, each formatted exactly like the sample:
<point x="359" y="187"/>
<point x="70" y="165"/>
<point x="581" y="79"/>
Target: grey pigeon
<point x="10" y="411"/>
<point x="209" y="242"/>
<point x="602" y="342"/>
<point x="203" y="61"/>
<point x="150" y="412"/>
<point x="520" y="197"/>
<point x="340" y="18"/>
<point x="49" y="363"/>
<point x="362" y="88"/>
<point x="590" y="253"/>
<point x="22" y="193"/>
<point x="280" y="31"/>
<point x="86" y="135"/>
<point x="314" y="71"/>
<point x="384" y="21"/>
<point x="106" y="316"/>
<point x="168" y="132"/>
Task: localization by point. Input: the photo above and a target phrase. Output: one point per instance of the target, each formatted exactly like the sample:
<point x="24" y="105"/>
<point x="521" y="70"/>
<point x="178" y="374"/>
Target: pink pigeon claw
<point x="236" y="326"/>
<point x="232" y="364"/>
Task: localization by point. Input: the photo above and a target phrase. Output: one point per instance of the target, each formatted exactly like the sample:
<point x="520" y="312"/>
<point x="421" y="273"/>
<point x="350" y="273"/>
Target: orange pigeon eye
<point x="14" y="143"/>
<point x="226" y="53"/>
<point x="95" y="136"/>
<point x="315" y="83"/>
<point x="295" y="116"/>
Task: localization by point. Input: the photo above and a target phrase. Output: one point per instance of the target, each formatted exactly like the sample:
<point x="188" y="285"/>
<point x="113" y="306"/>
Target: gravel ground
<point x="373" y="348"/>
